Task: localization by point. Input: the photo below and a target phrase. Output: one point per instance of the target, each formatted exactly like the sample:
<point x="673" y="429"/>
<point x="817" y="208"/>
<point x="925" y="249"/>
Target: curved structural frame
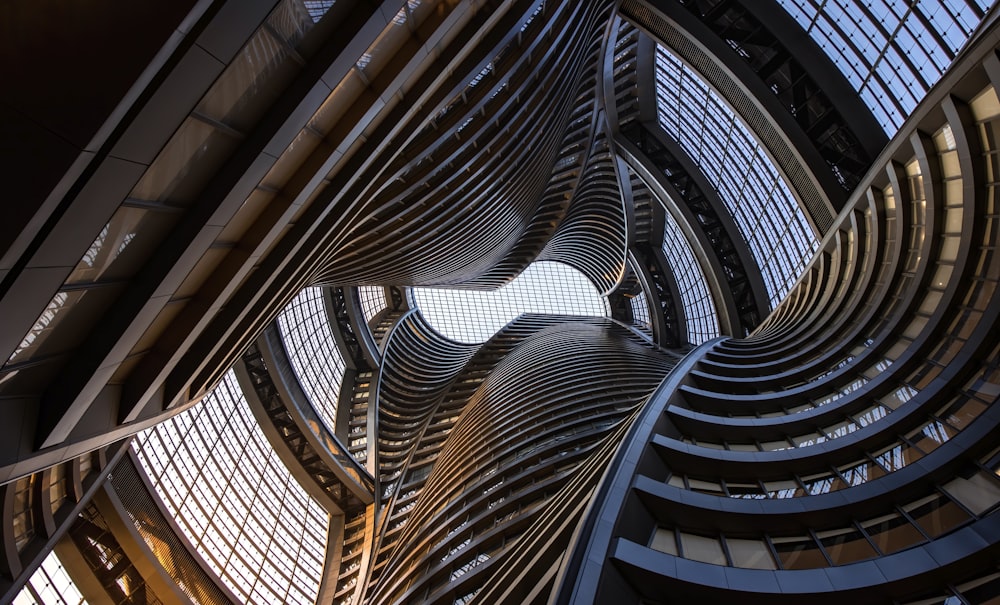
<point x="280" y="405"/>
<point x="822" y="138"/>
<point x="527" y="436"/>
<point x="742" y="295"/>
<point x="720" y="146"/>
<point x="784" y="466"/>
<point x="259" y="147"/>
<point x="658" y="168"/>
<point x="216" y="473"/>
<point x="38" y="510"/>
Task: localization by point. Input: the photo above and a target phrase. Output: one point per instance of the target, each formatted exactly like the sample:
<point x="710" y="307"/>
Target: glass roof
<point x="725" y="149"/>
<point x="235" y="501"/>
<point x="473" y="316"/>
<point x="699" y="309"/>
<point x="372" y="299"/>
<point x="891" y="52"/>
<point x="313" y="353"/>
<point x="50" y="584"/>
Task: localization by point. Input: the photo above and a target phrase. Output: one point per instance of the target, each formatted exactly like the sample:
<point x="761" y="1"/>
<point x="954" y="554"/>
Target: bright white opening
<point x="473" y="316"/>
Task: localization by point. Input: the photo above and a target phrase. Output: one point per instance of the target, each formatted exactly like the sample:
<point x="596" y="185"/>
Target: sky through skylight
<point x="473" y="316"/>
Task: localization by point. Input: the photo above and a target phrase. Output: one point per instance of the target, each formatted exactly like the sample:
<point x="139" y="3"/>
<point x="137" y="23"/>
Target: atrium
<point x="500" y="301"/>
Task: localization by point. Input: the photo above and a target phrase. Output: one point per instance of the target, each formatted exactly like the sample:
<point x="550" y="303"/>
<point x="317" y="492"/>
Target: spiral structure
<point x="845" y="449"/>
<point x="218" y="383"/>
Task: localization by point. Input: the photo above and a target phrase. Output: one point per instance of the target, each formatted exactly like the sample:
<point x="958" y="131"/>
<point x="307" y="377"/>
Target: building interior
<point x="500" y="302"/>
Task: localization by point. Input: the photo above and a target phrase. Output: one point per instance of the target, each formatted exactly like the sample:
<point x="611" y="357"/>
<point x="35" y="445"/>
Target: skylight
<point x="237" y="503"/>
<point x="473" y="316"/>
<point x="727" y="152"/>
<point x="891" y="52"/>
<point x="50" y="584"/>
<point x="313" y="353"/>
<point x="699" y="309"/>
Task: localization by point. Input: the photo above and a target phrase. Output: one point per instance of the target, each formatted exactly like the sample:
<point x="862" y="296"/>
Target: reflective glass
<point x="979" y="492"/>
<point x="317" y="8"/>
<point x="751" y="554"/>
<point x="936" y="514"/>
<point x="846" y="546"/>
<point x="799" y="552"/>
<point x="664" y="541"/>
<point x="44" y="325"/>
<point x="702" y="548"/>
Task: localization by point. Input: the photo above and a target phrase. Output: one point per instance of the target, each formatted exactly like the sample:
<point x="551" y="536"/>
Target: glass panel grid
<point x="699" y="309"/>
<point x="640" y="312"/>
<point x="372" y="299"/>
<point x="775" y="228"/>
<point x="317" y="8"/>
<point x="234" y="500"/>
<point x="473" y="316"/>
<point x="50" y="585"/>
<point x="318" y="364"/>
<point x="891" y="52"/>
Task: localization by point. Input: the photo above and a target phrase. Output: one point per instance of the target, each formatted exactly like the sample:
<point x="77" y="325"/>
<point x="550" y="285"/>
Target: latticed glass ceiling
<point x="725" y="149"/>
<point x="473" y="316"/>
<point x="313" y="353"/>
<point x="891" y="52"/>
<point x="235" y="501"/>
<point x="50" y="584"/>
<point x="699" y="308"/>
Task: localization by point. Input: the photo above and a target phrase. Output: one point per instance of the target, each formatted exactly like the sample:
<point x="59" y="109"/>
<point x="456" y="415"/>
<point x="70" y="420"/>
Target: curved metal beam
<point x="309" y="451"/>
